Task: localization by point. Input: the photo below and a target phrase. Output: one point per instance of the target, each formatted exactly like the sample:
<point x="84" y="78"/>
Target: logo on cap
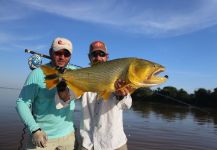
<point x="98" y="44"/>
<point x="60" y="42"/>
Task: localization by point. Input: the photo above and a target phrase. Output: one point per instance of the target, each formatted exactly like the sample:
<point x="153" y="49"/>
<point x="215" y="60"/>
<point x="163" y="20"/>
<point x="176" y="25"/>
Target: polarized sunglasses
<point x="60" y="53"/>
<point x="98" y="53"/>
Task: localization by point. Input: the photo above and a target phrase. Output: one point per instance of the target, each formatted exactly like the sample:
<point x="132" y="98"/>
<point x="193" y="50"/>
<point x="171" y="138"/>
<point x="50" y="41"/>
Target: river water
<point x="149" y="126"/>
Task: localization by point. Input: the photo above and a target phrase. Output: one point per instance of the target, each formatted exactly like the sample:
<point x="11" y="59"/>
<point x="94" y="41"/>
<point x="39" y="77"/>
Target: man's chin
<point x="61" y="64"/>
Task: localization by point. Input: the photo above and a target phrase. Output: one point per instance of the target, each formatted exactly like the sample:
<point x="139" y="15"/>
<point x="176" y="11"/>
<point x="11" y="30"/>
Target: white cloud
<point x="11" y="10"/>
<point x="10" y="42"/>
<point x="155" y="20"/>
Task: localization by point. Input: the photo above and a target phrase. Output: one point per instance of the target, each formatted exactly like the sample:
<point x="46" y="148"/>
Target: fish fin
<point x="48" y="70"/>
<point x="51" y="76"/>
<point x="132" y="91"/>
<point x="78" y="92"/>
<point x="51" y="83"/>
<point x="105" y="95"/>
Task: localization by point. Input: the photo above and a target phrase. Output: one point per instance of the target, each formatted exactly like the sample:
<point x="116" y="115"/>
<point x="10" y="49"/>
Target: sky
<point x="178" y="34"/>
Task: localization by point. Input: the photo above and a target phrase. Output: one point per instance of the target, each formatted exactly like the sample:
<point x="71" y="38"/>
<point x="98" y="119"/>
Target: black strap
<point x="39" y="129"/>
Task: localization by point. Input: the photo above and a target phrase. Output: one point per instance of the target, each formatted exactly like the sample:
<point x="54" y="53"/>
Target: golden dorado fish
<point x="101" y="77"/>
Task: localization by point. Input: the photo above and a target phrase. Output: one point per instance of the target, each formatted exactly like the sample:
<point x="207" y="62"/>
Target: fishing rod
<point x="9" y="88"/>
<point x="45" y="56"/>
<point x="33" y="52"/>
<point x="22" y="137"/>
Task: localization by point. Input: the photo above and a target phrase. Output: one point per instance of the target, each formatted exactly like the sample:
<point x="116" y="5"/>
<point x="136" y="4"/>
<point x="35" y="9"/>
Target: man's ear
<point x="89" y="57"/>
<point x="50" y="52"/>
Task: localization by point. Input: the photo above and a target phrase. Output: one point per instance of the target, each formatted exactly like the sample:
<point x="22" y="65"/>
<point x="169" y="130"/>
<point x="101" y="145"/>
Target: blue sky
<point x="179" y="34"/>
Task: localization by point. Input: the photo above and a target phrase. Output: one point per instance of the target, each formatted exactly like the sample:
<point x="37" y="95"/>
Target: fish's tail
<point x="51" y="76"/>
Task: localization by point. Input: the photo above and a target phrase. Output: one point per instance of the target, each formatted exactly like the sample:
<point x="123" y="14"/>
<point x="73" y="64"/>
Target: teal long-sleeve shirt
<point x="55" y="122"/>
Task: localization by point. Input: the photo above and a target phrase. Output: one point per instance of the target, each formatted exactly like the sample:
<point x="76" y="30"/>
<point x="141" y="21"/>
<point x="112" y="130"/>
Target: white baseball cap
<point x="60" y="43"/>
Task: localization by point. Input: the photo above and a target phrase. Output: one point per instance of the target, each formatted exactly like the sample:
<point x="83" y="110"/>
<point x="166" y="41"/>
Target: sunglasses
<point x="98" y="53"/>
<point x="60" y="53"/>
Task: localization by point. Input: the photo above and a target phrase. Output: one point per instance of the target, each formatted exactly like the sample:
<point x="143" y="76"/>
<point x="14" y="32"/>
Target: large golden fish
<point x="101" y="77"/>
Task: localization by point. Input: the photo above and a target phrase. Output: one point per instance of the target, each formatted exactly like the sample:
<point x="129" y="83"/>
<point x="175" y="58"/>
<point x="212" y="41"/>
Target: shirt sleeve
<point x="25" y="100"/>
<point x="125" y="103"/>
<point x="85" y="127"/>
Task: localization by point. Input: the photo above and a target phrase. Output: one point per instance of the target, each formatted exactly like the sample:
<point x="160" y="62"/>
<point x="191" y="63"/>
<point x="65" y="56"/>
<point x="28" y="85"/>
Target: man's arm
<point x="125" y="103"/>
<point x="24" y="102"/>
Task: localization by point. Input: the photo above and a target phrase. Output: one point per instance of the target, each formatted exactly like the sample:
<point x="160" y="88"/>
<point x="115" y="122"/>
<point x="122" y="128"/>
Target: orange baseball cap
<point x="96" y="46"/>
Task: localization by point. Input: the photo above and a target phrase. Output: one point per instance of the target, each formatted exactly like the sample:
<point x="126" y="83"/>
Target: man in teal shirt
<point x="50" y="128"/>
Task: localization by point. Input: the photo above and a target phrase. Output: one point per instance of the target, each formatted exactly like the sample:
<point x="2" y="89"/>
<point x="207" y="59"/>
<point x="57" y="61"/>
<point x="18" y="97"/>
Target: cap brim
<point x="93" y="50"/>
<point x="62" y="49"/>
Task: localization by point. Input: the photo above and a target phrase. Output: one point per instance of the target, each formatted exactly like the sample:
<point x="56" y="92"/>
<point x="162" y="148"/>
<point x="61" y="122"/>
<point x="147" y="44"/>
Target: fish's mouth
<point x="158" y="71"/>
<point x="155" y="78"/>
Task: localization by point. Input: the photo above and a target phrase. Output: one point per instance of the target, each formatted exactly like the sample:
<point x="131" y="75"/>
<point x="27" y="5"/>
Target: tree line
<point x="201" y="97"/>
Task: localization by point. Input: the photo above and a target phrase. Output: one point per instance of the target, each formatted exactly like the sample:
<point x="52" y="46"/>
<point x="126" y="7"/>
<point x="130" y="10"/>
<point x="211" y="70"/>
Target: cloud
<point x="170" y="18"/>
<point x="9" y="42"/>
<point x="11" y="10"/>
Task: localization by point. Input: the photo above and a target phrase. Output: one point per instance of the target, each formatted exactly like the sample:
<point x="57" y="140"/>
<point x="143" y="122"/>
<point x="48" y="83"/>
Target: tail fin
<point x="51" y="76"/>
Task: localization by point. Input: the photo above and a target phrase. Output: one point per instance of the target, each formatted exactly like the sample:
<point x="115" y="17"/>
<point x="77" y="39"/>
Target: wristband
<point x="39" y="129"/>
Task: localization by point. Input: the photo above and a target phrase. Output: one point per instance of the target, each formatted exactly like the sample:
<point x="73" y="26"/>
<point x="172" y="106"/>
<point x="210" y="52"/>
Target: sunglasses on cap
<point x="98" y="53"/>
<point x="60" y="53"/>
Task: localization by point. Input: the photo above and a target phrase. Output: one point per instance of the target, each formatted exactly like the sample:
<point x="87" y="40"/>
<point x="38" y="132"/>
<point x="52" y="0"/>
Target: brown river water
<point x="148" y="126"/>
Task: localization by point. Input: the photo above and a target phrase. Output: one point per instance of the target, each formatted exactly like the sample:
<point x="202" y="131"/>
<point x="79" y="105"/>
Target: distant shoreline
<point x="170" y="95"/>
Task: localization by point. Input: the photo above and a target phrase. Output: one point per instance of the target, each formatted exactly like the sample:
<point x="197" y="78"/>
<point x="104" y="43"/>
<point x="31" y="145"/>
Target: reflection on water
<point x="171" y="113"/>
<point x="149" y="126"/>
<point x="176" y="128"/>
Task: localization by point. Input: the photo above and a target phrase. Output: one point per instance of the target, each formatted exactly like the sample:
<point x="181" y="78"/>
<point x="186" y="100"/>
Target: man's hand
<point x="63" y="91"/>
<point x="64" y="95"/>
<point x="39" y="138"/>
<point x="121" y="89"/>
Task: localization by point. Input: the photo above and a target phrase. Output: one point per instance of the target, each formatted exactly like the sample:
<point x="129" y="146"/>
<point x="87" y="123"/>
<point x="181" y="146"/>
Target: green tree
<point x="214" y="97"/>
<point x="183" y="95"/>
<point x="142" y="93"/>
<point x="202" y="97"/>
<point x="170" y="91"/>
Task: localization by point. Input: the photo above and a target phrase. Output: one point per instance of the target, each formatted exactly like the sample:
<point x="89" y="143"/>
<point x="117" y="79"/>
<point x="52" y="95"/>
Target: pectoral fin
<point x="131" y="91"/>
<point x="51" y="83"/>
<point x="105" y="95"/>
<point x="78" y="92"/>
